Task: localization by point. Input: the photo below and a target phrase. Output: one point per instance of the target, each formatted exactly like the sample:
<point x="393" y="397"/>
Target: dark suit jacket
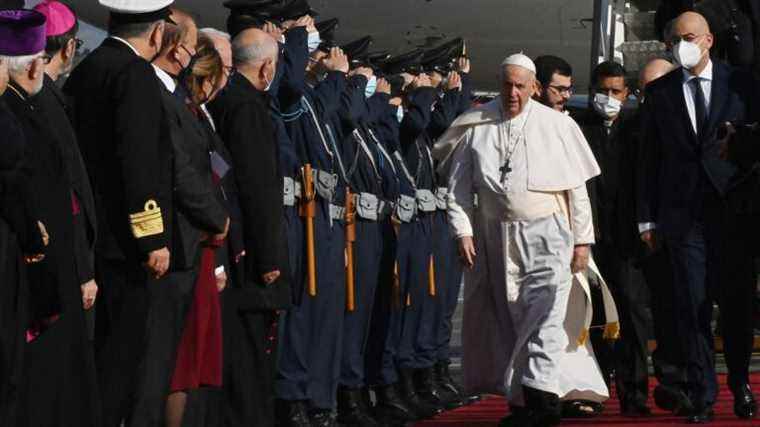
<point x="613" y="193"/>
<point x="241" y="114"/>
<point x="197" y="208"/>
<point x="678" y="169"/>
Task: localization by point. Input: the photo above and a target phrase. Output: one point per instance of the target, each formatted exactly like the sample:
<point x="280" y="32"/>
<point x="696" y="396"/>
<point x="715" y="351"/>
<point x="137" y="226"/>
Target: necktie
<point x="699" y="104"/>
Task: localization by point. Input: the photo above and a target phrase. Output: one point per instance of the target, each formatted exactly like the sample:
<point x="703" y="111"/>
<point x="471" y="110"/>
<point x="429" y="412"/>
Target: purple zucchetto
<point x="22" y="32"/>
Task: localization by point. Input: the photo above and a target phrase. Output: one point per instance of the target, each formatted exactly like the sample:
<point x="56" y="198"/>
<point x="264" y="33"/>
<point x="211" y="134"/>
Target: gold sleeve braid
<point x="148" y="222"/>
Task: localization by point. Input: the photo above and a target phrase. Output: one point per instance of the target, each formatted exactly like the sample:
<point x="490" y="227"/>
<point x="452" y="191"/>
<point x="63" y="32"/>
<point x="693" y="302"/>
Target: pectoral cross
<point x="505" y="170"/>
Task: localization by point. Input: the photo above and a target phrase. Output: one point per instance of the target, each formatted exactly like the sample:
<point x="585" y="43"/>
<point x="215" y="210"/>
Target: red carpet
<point x="489" y="411"/>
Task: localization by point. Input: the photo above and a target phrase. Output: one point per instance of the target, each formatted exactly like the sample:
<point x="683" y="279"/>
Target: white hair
<point x="260" y="50"/>
<point x="214" y="32"/>
<point x="19" y="64"/>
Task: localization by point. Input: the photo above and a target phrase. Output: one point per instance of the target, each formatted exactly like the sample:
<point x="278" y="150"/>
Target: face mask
<point x="607" y="106"/>
<point x="687" y="54"/>
<point x="314" y="41"/>
<point x="371" y="87"/>
<point x="400" y="114"/>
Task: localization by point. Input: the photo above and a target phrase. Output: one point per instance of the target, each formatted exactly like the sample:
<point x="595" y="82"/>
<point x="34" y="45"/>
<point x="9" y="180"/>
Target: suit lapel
<point x="718" y="98"/>
<point x="678" y="105"/>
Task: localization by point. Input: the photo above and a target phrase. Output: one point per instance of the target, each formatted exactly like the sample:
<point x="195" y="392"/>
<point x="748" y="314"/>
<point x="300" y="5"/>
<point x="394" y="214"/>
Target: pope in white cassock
<point x="520" y="211"/>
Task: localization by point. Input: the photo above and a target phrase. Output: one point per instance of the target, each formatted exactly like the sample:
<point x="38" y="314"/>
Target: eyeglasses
<point x="79" y="43"/>
<point x="189" y="53"/>
<point x="563" y="89"/>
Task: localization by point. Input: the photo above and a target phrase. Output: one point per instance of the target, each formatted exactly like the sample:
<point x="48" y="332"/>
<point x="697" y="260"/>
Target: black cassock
<point x="59" y="371"/>
<point x="619" y="252"/>
<point x="241" y="115"/>
<point x="126" y="143"/>
<point x="18" y="235"/>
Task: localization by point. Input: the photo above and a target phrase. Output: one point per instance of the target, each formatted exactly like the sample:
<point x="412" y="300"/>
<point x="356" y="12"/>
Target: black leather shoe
<point x="291" y="413"/>
<point x="446" y="384"/>
<point x="428" y="389"/>
<point x="702" y="416"/>
<point x="545" y="409"/>
<point x="351" y="409"/>
<point x="635" y="409"/>
<point x="421" y="408"/>
<point x="672" y="399"/>
<point x="390" y="408"/>
<point x="322" y="418"/>
<point x="745" y="405"/>
<point x="518" y="417"/>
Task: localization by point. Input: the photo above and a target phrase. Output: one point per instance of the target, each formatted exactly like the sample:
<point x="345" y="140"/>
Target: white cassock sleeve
<point x="580" y="212"/>
<point x="460" y="197"/>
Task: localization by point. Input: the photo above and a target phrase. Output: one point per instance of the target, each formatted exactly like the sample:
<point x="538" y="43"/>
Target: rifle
<point x="350" y="217"/>
<point x="431" y="277"/>
<point x="307" y="211"/>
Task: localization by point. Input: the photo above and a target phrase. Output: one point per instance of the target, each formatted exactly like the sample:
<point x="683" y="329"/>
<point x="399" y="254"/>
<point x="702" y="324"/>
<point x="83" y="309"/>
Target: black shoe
<point x="429" y="390"/>
<point x="672" y="399"/>
<point x="518" y="417"/>
<point x="701" y="416"/>
<point x="446" y="384"/>
<point x="745" y="405"/>
<point x="579" y="408"/>
<point x="635" y="409"/>
<point x="421" y="408"/>
<point x="390" y="408"/>
<point x="291" y="413"/>
<point x="322" y="418"/>
<point x="544" y="408"/>
<point x="352" y="411"/>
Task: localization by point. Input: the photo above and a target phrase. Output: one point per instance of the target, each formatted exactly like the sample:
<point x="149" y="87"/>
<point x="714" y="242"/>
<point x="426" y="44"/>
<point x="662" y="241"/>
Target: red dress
<point x="199" y="356"/>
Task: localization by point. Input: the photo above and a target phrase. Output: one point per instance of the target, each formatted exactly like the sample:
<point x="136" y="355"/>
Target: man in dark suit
<point x="139" y="182"/>
<point x="611" y="134"/>
<point x="250" y="312"/>
<point x="681" y="199"/>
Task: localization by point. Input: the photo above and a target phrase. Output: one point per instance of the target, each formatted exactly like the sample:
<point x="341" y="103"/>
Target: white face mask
<point x="607" y="106"/>
<point x="687" y="54"/>
<point x="269" y="84"/>
<point x="314" y="41"/>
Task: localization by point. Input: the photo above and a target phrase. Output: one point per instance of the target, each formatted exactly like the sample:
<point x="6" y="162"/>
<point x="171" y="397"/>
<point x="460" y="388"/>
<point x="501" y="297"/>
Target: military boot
<point x="390" y="408"/>
<point x="352" y="411"/>
<point x="442" y="376"/>
<point x="421" y="408"/>
<point x="291" y="413"/>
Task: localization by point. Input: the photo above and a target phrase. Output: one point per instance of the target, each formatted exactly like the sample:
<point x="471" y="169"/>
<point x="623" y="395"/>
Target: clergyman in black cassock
<point x="58" y="359"/>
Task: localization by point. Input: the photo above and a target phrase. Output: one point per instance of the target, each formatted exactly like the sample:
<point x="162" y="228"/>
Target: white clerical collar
<point x="165" y="78"/>
<point x="129" y="45"/>
<point x="706" y="74"/>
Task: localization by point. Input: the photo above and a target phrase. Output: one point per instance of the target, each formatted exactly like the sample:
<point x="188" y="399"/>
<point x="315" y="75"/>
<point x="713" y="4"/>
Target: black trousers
<point x="628" y="355"/>
<point x="713" y="262"/>
<point x="669" y="352"/>
<point x="139" y="325"/>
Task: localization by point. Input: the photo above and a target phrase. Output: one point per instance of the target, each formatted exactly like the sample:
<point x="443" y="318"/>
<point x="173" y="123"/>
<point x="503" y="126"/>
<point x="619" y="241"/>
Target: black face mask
<point x="186" y="72"/>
